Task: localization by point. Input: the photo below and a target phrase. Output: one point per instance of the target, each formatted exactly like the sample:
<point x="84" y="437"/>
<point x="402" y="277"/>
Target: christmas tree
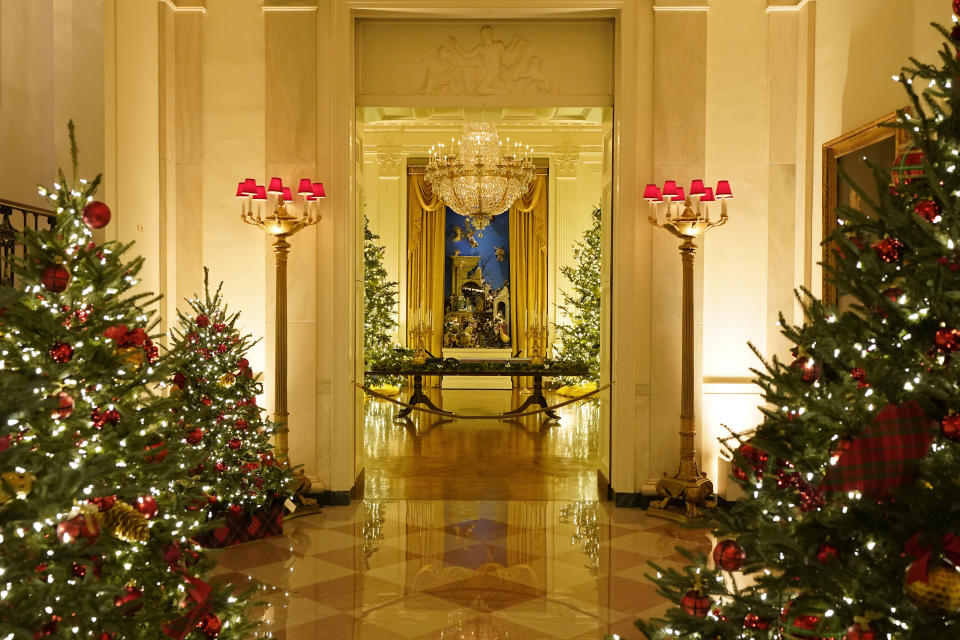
<point x="578" y="336"/>
<point x="379" y="306"/>
<point x="217" y="409"/>
<point x="849" y="527"/>
<point x="95" y="535"/>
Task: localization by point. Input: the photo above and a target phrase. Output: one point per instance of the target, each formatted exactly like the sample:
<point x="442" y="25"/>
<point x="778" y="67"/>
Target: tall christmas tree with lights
<point x="850" y="527"/>
<point x="379" y="304"/>
<point x="578" y="338"/>
<point x="95" y="534"/>
<point x="217" y="409"/>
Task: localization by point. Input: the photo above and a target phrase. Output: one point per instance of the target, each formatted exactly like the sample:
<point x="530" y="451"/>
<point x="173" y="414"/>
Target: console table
<point x="480" y="368"/>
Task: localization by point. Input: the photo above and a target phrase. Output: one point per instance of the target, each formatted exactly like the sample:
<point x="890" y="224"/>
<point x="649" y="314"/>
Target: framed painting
<point x="876" y="142"/>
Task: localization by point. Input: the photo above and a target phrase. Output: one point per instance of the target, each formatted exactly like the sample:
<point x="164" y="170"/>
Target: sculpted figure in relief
<point x="492" y="67"/>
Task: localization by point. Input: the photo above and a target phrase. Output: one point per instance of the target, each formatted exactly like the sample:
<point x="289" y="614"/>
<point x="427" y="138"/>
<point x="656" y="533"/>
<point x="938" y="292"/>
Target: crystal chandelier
<point x="475" y="178"/>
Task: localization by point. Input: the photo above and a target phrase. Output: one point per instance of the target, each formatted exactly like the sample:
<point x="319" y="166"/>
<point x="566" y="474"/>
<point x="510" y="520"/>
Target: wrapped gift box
<point x="244" y="527"/>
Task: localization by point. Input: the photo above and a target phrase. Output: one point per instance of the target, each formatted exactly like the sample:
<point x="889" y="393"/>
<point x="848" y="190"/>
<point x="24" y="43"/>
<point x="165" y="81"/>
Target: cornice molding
<point x="289" y="6"/>
<point x="186" y="6"/>
<point x="778" y="6"/>
<point x="681" y="5"/>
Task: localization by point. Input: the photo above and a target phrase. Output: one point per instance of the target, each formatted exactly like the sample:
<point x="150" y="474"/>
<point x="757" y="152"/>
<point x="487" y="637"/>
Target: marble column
<point x="389" y="219"/>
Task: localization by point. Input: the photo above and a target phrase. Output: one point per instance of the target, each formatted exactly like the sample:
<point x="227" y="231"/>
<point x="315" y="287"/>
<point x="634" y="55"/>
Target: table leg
<point x="418" y="397"/>
<point x="536" y="398"/>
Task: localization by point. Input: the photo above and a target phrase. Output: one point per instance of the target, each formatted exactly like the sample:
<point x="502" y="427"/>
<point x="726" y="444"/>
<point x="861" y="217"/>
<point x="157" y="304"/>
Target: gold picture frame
<point x="875" y="140"/>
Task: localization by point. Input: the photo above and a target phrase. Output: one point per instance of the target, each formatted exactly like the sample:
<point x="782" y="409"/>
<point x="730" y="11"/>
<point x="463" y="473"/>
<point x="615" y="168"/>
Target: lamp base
<point x="693" y="490"/>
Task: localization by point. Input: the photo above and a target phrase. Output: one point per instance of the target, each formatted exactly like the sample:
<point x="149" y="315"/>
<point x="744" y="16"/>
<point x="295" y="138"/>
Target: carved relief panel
<point x="469" y="63"/>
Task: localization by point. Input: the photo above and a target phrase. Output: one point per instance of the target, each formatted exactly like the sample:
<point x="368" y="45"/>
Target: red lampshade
<point x="305" y="188"/>
<point x="311" y="198"/>
<point x="651" y="192"/>
<point x="240" y="192"/>
<point x="696" y="188"/>
<point x="276" y="186"/>
<point x="261" y="193"/>
<point x="250" y="186"/>
<point x="723" y="190"/>
<point x="318" y="190"/>
<point x="707" y="195"/>
<point x="287" y="195"/>
<point x="680" y="195"/>
<point x="670" y="188"/>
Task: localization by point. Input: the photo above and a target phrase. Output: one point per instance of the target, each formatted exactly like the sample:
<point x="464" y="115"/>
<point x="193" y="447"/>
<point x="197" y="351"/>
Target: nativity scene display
<point x="476" y="312"/>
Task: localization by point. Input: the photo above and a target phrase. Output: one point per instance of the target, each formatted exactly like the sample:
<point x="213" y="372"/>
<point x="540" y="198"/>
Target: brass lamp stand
<point x="687" y="218"/>
<point x="281" y="225"/>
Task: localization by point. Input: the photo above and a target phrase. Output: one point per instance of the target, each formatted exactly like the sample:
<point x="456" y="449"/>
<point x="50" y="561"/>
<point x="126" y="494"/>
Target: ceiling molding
<point x="289" y="5"/>
<point x="681" y="5"/>
<point x="186" y="6"/>
<point x="778" y="6"/>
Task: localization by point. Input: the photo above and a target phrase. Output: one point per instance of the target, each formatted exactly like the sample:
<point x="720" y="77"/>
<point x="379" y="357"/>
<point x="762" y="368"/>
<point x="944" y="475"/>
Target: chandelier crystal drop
<point x="478" y="178"/>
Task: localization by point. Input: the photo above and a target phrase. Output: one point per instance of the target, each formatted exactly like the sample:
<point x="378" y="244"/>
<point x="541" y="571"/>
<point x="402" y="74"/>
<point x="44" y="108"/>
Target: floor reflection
<point x="427" y="457"/>
<point x="461" y="569"/>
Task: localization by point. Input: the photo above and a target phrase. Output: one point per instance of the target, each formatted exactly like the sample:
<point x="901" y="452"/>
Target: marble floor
<point x="493" y="532"/>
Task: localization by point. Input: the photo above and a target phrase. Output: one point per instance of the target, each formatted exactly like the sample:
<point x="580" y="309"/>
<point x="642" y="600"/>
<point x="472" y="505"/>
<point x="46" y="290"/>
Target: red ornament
<point x="950" y="427"/>
<point x="928" y="210"/>
<point x="203" y="321"/>
<point x="826" y="553"/>
<point x="206" y="400"/>
<point x="856" y="632"/>
<point x="753" y="621"/>
<point x="96" y="215"/>
<point x="947" y="339"/>
<point x="100" y="418"/>
<point x="79" y="569"/>
<point x="236" y="509"/>
<point x="243" y="363"/>
<point x="159" y="456"/>
<point x="79" y="527"/>
<point x="61" y="352"/>
<point x="106" y="635"/>
<point x="104" y="503"/>
<point x="809" y="370"/>
<point x="889" y="250"/>
<point x="48" y="628"/>
<point x="728" y="555"/>
<point x="220" y="466"/>
<point x="240" y="423"/>
<point x="956" y="7"/>
<point x="195" y="436"/>
<point x="5" y="440"/>
<point x="210" y="625"/>
<point x="860" y="376"/>
<point x="234" y="443"/>
<point x="130" y="599"/>
<point x="893" y="294"/>
<point x="55" y="278"/>
<point x="147" y="505"/>
<point x="64" y="406"/>
<point x="695" y="603"/>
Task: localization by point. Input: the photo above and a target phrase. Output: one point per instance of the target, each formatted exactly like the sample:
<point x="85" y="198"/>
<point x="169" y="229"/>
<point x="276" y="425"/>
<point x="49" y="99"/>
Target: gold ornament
<point x="21" y="483"/>
<point x="124" y="522"/>
<point x="175" y="391"/>
<point x="133" y="356"/>
<point x="227" y="380"/>
<point x="941" y="591"/>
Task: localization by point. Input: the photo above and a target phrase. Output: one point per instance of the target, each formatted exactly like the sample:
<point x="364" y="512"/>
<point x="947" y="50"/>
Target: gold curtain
<point x="528" y="267"/>
<point x="425" y="228"/>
